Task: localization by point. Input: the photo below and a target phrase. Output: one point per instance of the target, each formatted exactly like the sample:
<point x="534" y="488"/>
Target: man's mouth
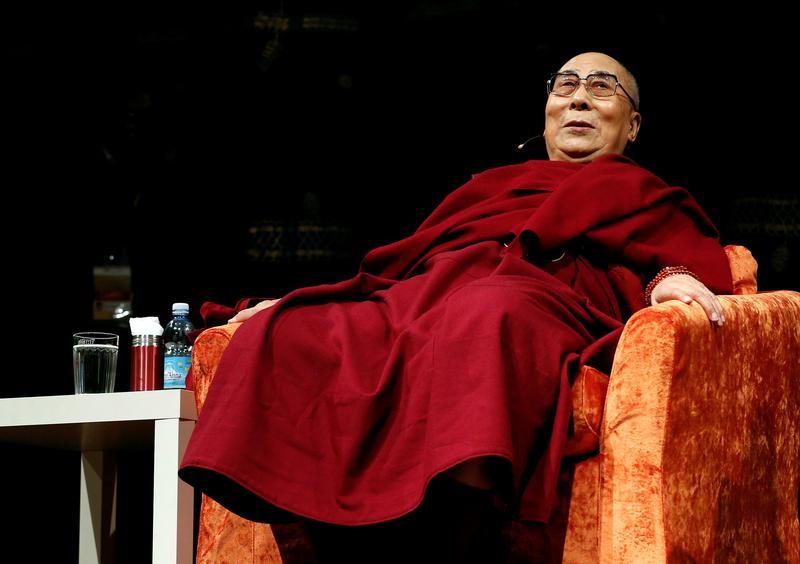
<point x="579" y="123"/>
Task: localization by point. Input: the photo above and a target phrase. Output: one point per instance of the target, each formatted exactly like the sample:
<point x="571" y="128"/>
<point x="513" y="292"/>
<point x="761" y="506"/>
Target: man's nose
<point x="580" y="98"/>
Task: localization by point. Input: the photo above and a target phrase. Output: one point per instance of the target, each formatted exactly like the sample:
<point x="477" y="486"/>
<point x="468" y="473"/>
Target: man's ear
<point x="635" y="124"/>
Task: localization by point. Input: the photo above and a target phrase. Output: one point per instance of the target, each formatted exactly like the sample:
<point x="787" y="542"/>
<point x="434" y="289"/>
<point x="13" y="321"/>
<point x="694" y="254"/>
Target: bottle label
<point x="175" y="370"/>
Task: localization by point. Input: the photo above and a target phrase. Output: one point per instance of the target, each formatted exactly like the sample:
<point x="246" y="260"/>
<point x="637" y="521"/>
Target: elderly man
<point x="434" y="386"/>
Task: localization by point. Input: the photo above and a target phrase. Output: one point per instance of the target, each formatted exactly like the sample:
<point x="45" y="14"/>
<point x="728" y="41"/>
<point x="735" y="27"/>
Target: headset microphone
<point x="522" y="145"/>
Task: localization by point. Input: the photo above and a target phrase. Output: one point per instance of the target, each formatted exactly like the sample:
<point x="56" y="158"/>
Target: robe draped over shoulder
<point x="343" y="401"/>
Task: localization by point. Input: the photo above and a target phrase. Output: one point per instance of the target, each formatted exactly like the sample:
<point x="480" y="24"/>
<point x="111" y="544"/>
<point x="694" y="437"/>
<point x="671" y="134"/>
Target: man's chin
<point x="575" y="155"/>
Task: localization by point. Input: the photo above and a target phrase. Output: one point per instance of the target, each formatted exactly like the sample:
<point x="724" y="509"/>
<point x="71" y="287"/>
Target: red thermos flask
<point x="147" y="363"/>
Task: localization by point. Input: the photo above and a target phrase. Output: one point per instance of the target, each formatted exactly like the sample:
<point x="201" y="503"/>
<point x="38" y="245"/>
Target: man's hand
<point x="246" y="314"/>
<point x="687" y="289"/>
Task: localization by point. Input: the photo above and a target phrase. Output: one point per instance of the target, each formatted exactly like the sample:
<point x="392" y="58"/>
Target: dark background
<point x="168" y="137"/>
<point x="178" y="139"/>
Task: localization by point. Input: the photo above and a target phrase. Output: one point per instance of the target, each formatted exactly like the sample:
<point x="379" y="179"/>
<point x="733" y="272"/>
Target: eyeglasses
<point x="598" y="85"/>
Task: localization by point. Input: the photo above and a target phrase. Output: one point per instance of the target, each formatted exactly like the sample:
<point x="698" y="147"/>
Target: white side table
<point x="94" y="423"/>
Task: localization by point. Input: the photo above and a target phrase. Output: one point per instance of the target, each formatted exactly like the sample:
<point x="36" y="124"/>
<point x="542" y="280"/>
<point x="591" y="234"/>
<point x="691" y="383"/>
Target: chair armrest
<point x="700" y="443"/>
<point x="206" y="354"/>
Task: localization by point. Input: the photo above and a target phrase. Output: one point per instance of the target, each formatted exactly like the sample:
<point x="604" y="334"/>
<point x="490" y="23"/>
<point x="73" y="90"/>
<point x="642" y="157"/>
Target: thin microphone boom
<point x="528" y="140"/>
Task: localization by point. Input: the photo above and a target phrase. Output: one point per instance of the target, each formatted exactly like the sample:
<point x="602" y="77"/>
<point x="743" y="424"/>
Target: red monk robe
<point x="343" y="401"/>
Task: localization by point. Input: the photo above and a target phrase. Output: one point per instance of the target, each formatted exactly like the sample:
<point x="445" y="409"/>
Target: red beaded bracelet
<point x="665" y="272"/>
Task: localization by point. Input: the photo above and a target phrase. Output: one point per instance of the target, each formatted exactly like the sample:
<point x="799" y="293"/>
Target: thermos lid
<point x="146" y="340"/>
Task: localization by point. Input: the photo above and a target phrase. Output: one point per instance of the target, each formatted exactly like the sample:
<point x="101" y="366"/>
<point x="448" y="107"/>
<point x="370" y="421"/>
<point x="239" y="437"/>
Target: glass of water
<point x="94" y="361"/>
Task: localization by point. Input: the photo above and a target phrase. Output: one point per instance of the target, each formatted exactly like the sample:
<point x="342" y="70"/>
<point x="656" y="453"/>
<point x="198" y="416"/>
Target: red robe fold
<point x="343" y="401"/>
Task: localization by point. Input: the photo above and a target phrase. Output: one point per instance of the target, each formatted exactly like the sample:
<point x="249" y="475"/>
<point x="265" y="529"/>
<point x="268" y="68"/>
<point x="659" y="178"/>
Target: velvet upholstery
<point x="700" y="442"/>
<point x="588" y="401"/>
<point x="743" y="269"/>
<point x="698" y="436"/>
<point x="224" y="537"/>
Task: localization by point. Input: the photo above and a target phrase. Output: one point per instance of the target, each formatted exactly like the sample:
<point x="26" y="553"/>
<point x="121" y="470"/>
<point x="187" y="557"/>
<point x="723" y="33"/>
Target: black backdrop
<point x="164" y="136"/>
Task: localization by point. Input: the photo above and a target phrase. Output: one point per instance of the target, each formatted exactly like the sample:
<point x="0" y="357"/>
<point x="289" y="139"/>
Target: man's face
<point x="579" y="127"/>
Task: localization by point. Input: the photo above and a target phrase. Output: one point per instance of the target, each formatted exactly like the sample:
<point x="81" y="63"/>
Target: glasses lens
<point x="564" y="84"/>
<point x="601" y="85"/>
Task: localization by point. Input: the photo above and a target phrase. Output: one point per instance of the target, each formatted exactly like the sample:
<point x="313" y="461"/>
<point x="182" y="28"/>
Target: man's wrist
<point x="663" y="274"/>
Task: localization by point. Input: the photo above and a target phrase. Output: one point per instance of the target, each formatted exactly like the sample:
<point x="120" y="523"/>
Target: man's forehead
<point x="590" y="71"/>
<point x="594" y="62"/>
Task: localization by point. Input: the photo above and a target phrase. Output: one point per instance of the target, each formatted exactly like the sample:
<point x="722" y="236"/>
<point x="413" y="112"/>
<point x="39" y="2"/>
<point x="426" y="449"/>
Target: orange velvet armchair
<point x="690" y="452"/>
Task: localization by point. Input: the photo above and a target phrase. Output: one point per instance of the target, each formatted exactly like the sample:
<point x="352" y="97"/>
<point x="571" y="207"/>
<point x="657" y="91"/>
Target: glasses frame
<point x="581" y="79"/>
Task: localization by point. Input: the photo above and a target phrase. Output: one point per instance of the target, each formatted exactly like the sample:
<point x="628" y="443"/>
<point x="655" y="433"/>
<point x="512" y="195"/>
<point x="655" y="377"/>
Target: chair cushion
<point x="588" y="400"/>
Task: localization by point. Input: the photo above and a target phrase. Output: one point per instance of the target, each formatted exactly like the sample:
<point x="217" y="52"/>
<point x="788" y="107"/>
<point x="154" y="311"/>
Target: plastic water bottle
<point x="177" y="349"/>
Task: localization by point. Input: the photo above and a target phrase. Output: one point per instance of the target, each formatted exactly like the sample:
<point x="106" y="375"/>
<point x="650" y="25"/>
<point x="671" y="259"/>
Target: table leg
<point x="97" y="507"/>
<point x="173" y="499"/>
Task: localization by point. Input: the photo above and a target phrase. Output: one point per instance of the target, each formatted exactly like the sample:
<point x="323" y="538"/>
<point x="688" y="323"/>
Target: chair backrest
<point x="743" y="269"/>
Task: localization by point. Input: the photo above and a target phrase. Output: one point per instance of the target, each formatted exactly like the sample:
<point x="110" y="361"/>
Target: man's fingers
<point x="713" y="308"/>
<point x="246" y="314"/>
<point x="240" y="316"/>
<point x="688" y="290"/>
